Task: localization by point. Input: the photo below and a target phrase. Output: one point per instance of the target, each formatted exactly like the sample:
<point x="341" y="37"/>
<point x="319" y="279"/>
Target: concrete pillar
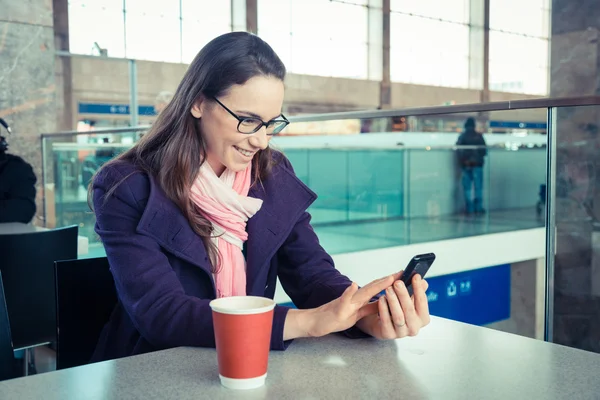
<point x="485" y="92"/>
<point x="386" y="84"/>
<point x="575" y="71"/>
<point x="27" y="77"/>
<point x="476" y="44"/>
<point x="375" y="41"/>
<point x="252" y="16"/>
<point x="64" y="76"/>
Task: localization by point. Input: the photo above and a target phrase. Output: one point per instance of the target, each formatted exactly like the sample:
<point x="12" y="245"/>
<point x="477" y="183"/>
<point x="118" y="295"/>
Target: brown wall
<point x="98" y="80"/>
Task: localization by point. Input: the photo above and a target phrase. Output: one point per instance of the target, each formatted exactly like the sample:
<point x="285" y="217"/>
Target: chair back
<point x="86" y="297"/>
<point x="7" y="358"/>
<point x="28" y="270"/>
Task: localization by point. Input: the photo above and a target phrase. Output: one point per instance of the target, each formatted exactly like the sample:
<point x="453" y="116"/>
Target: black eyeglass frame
<point x="262" y="123"/>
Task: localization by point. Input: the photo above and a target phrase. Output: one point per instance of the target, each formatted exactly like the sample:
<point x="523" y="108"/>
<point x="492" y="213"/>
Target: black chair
<point x="86" y="297"/>
<point x="7" y="358"/>
<point x="28" y="270"/>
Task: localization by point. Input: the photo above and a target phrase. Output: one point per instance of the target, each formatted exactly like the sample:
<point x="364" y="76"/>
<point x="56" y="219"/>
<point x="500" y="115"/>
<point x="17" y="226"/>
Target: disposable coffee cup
<point x="242" y="327"/>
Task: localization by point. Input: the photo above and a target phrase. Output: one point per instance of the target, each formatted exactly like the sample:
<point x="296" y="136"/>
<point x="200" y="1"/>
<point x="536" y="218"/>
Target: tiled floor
<point x="349" y="237"/>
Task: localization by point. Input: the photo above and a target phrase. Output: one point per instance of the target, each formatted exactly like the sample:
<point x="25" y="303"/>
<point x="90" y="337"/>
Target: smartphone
<point x="419" y="264"/>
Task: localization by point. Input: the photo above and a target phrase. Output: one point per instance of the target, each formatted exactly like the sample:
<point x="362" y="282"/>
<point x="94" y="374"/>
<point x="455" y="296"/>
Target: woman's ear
<point x="198" y="108"/>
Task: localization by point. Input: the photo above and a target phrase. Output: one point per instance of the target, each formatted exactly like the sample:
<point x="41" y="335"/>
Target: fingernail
<point x="418" y="278"/>
<point x="399" y="284"/>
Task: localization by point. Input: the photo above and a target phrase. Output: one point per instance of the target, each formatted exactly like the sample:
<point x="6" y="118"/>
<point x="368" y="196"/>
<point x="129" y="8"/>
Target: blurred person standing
<point x="17" y="186"/>
<point x="471" y="161"/>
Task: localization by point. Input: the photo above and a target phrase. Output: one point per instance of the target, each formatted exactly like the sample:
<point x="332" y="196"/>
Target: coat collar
<point x="285" y="199"/>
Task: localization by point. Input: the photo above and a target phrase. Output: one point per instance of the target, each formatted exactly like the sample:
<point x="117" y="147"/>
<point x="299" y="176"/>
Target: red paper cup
<point x="243" y="336"/>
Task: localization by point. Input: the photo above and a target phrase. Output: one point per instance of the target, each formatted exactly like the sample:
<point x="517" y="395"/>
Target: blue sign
<point x="477" y="297"/>
<point x="518" y="125"/>
<point x="113" y="109"/>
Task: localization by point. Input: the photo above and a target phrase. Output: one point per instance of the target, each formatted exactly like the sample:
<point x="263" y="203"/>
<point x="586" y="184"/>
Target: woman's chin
<point x="238" y="166"/>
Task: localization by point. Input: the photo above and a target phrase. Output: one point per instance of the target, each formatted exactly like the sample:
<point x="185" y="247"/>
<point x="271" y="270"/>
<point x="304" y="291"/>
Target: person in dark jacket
<point x="471" y="161"/>
<point x="17" y="187"/>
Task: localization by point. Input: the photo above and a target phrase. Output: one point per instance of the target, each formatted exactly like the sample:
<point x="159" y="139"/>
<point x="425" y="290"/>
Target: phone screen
<point x="419" y="264"/>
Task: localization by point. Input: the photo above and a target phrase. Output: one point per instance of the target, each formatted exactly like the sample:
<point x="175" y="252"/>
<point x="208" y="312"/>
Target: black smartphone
<point x="419" y="264"/>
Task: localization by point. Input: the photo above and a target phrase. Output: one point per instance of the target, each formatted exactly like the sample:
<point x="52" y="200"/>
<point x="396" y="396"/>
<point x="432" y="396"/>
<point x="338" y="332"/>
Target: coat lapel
<point x="165" y="222"/>
<point x="285" y="198"/>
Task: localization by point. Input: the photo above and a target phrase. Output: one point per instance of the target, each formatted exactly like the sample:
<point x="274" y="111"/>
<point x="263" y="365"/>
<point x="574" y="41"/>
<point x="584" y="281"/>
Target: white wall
<point x="452" y="256"/>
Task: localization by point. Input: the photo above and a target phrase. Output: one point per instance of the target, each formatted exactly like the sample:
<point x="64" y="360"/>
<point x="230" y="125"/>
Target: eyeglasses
<point x="250" y="125"/>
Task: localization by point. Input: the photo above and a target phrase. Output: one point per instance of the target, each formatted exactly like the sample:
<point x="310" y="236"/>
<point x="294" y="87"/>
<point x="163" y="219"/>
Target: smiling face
<point x="226" y="147"/>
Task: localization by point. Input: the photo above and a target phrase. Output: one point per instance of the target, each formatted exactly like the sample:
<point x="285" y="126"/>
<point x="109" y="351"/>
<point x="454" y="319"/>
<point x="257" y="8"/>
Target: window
<point x="429" y="51"/>
<point x="532" y="18"/>
<point x="446" y="10"/>
<point x="310" y="41"/>
<point x="100" y="22"/>
<point x="152" y="30"/>
<point x="519" y="46"/>
<point x="202" y="21"/>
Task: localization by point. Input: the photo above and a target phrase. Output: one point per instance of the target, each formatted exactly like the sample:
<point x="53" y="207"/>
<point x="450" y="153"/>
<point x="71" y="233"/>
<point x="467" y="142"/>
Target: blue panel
<point x="113" y="109"/>
<point x="479" y="297"/>
<point x="518" y="125"/>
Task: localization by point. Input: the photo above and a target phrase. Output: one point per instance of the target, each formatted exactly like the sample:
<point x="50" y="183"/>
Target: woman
<point x="172" y="215"/>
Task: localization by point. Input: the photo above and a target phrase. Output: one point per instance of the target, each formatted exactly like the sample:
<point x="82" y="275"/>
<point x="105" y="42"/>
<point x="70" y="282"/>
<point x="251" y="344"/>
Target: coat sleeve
<point x="17" y="193"/>
<point x="146" y="284"/>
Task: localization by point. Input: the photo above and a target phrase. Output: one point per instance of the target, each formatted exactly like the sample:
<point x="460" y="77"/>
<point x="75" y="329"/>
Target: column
<point x="385" y="99"/>
<point x="477" y="36"/>
<point x="64" y="88"/>
<point x="575" y="71"/>
<point x="27" y="81"/>
<point x="252" y="16"/>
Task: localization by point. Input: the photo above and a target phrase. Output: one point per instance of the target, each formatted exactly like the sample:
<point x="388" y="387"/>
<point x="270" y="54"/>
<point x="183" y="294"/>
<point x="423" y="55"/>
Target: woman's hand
<point x="400" y="314"/>
<point x="343" y="312"/>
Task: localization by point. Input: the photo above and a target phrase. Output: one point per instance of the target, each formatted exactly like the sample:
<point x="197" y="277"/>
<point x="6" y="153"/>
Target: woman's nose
<point x="260" y="139"/>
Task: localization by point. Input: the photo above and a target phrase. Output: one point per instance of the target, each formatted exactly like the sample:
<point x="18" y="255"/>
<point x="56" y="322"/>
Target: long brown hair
<point x="173" y="149"/>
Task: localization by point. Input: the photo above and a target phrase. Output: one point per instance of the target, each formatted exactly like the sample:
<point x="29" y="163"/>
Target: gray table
<point x="447" y="360"/>
<point x="11" y="228"/>
<point x="7" y="228"/>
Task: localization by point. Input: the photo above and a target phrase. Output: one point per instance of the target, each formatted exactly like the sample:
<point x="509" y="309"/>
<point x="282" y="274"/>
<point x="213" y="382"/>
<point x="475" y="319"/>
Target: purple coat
<point x="162" y="272"/>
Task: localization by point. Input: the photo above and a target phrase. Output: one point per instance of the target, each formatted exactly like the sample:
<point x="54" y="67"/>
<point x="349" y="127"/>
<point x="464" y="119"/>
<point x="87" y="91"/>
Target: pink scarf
<point x="225" y="203"/>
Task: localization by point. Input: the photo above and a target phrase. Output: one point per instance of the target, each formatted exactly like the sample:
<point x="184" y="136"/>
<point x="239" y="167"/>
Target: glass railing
<point x="374" y="190"/>
<point x="69" y="160"/>
<point x="382" y="197"/>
